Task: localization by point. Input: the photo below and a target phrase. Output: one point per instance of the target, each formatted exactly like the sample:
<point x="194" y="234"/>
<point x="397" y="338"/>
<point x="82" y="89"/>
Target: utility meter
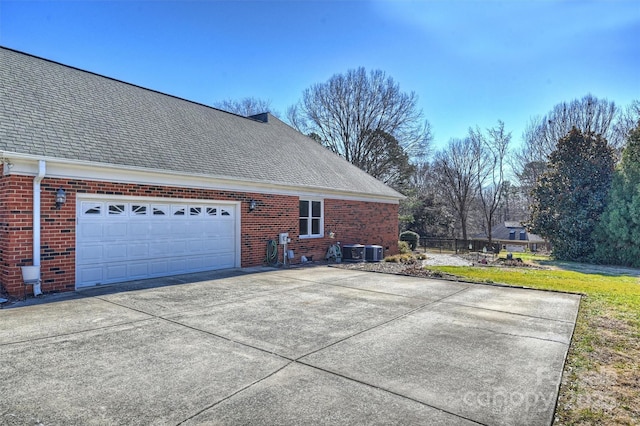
<point x="284" y="238"/>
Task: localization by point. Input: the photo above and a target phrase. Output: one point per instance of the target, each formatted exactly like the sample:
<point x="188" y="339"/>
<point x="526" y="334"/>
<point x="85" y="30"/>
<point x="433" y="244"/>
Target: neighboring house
<point x="156" y="185"/>
<point x="514" y="237"/>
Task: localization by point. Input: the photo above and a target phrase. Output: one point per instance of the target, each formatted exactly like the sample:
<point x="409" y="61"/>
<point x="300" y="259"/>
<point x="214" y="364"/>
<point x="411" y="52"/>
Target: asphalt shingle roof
<point x="502" y="232"/>
<point x="57" y="111"/>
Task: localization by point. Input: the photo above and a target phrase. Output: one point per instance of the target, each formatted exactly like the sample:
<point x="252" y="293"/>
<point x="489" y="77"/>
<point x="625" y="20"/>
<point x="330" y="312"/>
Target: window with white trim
<point x="311" y="218"/>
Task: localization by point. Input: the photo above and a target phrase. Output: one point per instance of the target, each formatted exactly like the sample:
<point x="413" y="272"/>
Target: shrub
<point x="410" y="237"/>
<point x="400" y="258"/>
<point x="403" y="247"/>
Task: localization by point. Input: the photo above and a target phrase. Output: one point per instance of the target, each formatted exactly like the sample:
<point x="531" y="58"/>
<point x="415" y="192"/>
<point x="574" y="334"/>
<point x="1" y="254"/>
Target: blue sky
<point x="470" y="62"/>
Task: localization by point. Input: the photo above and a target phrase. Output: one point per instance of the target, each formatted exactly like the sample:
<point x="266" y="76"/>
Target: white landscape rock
<point x="438" y="259"/>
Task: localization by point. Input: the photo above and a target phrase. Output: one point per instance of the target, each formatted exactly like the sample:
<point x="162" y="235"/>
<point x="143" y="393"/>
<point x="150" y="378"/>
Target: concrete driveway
<point x="299" y="346"/>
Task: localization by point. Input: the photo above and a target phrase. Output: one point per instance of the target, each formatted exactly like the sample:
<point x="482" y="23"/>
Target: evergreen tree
<point x="619" y="229"/>
<point x="570" y="195"/>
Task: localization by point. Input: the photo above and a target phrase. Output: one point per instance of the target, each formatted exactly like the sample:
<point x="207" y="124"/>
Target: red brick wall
<point x="353" y="222"/>
<point x="16" y="224"/>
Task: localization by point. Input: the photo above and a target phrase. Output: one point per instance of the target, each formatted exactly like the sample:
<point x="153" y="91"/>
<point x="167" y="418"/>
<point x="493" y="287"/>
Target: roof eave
<point x="78" y="169"/>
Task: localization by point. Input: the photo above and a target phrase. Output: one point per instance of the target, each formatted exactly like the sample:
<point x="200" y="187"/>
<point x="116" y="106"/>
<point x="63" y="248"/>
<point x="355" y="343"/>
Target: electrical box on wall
<point x="284" y="238"/>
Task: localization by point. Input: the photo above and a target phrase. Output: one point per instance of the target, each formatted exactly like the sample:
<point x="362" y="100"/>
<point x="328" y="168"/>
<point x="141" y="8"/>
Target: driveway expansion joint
<point x="371" y="291"/>
<point x="231" y="395"/>
<point x="508" y="312"/>
<point x="383" y="323"/>
<point x="389" y="391"/>
<point x="228" y="339"/>
<point x="78" y="332"/>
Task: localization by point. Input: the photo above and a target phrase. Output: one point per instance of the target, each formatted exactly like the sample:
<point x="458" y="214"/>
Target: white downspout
<point x="42" y="169"/>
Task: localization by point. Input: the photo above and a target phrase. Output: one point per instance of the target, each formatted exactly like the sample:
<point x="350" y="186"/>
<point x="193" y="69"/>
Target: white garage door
<point x="123" y="240"/>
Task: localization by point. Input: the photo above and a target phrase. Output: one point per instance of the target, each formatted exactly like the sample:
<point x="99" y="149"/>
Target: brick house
<point x="156" y="185"/>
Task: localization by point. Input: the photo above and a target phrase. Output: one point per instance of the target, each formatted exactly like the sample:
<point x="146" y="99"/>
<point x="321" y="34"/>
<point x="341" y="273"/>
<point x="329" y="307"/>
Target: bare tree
<point x="353" y="114"/>
<point x="456" y="170"/>
<point x="492" y="150"/>
<point x="514" y="205"/>
<point x="588" y="114"/>
<point x="246" y="106"/>
<point x="533" y="153"/>
<point x="627" y="120"/>
<point x="527" y="177"/>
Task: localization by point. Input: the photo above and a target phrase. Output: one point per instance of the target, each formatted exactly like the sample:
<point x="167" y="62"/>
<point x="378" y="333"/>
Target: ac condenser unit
<point x="373" y="253"/>
<point x="353" y="253"/>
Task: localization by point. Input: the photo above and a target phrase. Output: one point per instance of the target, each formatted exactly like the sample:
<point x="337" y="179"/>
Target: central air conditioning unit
<point x="373" y="253"/>
<point x="353" y="253"/>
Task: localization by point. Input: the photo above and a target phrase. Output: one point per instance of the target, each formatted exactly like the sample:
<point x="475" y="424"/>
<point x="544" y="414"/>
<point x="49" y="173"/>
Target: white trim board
<point x="22" y="164"/>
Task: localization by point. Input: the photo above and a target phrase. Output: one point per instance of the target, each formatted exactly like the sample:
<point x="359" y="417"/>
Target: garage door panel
<point x="222" y="230"/>
<point x="178" y="265"/>
<point x="115" y="251"/>
<point x="115" y="272"/>
<point x="138" y="229"/>
<point x="176" y="247"/>
<point x="90" y="253"/>
<point x="195" y="263"/>
<point x="193" y="231"/>
<point x="195" y="246"/>
<point x="158" y="267"/>
<point x="226" y="229"/>
<point x="90" y="230"/>
<point x="179" y="228"/>
<point x="115" y="230"/>
<point x="161" y="229"/>
<point x="161" y="248"/>
<point x="138" y="250"/>
<point x="224" y="242"/>
<point x="215" y="246"/>
<point x="137" y="270"/>
<point x="91" y="275"/>
<point x="125" y="240"/>
<point x="221" y="261"/>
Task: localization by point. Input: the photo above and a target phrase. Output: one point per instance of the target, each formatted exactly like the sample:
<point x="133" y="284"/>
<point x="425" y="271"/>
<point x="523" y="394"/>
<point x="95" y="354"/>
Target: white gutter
<point x="42" y="169"/>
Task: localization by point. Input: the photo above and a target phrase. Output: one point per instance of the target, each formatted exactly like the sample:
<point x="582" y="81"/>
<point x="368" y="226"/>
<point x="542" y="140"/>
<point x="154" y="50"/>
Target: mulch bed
<point x="413" y="269"/>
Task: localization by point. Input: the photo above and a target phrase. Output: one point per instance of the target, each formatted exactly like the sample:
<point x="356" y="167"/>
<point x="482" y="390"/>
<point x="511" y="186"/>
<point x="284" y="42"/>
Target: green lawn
<point x="601" y="381"/>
